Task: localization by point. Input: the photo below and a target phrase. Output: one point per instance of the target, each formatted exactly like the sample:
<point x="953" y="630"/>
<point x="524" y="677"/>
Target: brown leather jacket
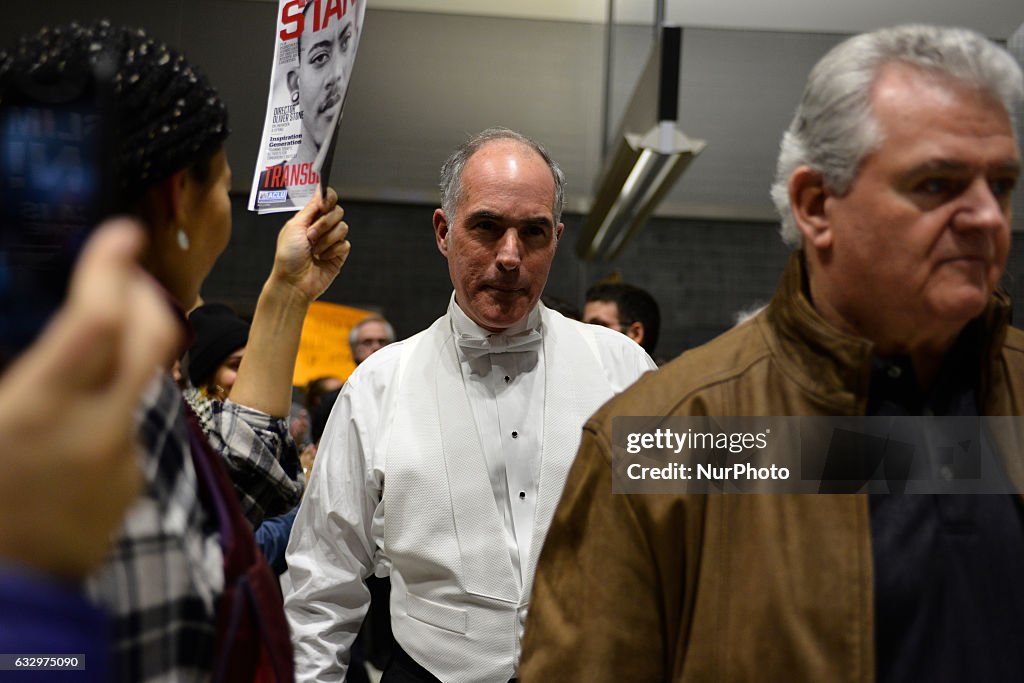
<point x="728" y="587"/>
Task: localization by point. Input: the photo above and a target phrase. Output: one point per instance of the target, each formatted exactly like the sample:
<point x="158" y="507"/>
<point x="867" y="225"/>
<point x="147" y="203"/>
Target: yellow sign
<point x="323" y="348"/>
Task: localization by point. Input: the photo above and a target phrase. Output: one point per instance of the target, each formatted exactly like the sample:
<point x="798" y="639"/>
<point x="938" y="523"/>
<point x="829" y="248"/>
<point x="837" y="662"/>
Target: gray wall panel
<point x="701" y="272"/>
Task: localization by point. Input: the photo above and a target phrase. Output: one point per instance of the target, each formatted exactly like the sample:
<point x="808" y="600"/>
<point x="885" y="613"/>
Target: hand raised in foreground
<point x="311" y="247"/>
<point x="67" y="409"/>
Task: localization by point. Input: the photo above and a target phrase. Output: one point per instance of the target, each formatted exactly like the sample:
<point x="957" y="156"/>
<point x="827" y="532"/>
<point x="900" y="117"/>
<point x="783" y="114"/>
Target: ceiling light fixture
<point x="651" y="153"/>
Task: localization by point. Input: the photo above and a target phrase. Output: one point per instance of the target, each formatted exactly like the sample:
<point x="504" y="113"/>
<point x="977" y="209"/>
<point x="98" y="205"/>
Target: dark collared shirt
<point x="949" y="600"/>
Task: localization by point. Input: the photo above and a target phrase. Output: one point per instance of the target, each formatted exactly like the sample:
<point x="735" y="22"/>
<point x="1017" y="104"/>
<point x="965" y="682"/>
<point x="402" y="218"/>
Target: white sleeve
<point x="333" y="542"/>
<point x="639" y="364"/>
<point x="624" y="360"/>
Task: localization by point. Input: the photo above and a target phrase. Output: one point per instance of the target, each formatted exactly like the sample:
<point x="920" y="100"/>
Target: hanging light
<point x="643" y="166"/>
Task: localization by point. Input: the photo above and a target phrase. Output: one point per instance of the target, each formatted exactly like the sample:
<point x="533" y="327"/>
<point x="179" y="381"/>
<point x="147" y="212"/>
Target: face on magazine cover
<point x="325" y="60"/>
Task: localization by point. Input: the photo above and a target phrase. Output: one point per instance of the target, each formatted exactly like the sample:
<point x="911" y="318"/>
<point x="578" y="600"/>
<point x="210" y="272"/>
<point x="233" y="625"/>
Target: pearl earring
<point x="183" y="243"/>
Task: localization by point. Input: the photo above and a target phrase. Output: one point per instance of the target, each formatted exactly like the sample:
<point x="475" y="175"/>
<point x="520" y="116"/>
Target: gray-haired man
<point x="894" y="186"/>
<point x="368" y="336"/>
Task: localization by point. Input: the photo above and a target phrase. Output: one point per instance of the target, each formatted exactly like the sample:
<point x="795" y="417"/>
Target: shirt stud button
<point x="515" y="435"/>
<point x="522" y="495"/>
<point x="507" y="379"/>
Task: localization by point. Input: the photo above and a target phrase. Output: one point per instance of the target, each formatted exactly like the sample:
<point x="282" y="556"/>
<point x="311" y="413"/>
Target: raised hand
<point x="311" y="247"/>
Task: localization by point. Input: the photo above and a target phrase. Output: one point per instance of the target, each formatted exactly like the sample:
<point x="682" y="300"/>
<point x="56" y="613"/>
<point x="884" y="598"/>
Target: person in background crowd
<point x="893" y="184"/>
<point x="185" y="558"/>
<point x="446" y="452"/>
<point x="213" y="361"/>
<point x="216" y="353"/>
<point x="626" y="308"/>
<point x="302" y="416"/>
<point x="368" y="336"/>
<point x="316" y="389"/>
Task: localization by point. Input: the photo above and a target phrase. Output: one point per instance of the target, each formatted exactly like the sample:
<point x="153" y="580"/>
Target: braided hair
<point x="169" y="116"/>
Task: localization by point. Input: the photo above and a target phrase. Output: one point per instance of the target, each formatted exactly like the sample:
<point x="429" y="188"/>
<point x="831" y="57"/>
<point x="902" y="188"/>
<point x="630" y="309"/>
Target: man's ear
<point x="636" y="332"/>
<point x="558" y="232"/>
<point x="292" y="79"/>
<point x="442" y="232"/>
<point x="807" y="199"/>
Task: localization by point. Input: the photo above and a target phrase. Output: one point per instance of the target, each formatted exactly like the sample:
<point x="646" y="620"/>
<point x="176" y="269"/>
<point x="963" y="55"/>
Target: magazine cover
<point x="314" y="50"/>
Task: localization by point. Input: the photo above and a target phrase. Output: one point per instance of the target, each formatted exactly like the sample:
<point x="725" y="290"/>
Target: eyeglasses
<point x="373" y="342"/>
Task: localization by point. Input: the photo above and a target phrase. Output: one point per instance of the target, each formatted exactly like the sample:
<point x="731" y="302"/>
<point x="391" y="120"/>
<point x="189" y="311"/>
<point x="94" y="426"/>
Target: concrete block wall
<point x="701" y="272"/>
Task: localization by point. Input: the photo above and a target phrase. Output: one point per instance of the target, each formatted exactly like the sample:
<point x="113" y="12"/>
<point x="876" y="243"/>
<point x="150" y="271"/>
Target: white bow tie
<point x="475" y="347"/>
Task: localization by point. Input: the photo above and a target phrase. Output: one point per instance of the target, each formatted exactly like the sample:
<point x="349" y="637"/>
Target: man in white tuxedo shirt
<point x="446" y="453"/>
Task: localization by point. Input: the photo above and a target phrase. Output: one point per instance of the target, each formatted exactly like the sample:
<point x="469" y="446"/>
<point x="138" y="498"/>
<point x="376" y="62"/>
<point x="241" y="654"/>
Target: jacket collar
<point x="837" y="366"/>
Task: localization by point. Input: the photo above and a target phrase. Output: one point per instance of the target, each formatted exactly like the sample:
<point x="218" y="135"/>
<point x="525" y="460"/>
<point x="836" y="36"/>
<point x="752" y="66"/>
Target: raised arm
<point x="311" y="248"/>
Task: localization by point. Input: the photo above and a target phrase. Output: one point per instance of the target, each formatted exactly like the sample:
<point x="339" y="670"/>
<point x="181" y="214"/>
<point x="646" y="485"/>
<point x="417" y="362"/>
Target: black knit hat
<point x="169" y="116"/>
<point x="219" y="332"/>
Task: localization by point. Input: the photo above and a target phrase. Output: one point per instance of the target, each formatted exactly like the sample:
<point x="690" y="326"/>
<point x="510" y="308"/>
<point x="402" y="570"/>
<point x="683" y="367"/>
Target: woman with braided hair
<point x="186" y="592"/>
